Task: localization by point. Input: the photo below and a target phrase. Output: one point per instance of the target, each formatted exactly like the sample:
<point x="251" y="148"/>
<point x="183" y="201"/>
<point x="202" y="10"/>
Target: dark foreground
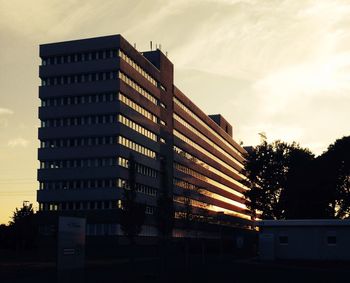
<point x="214" y="269"/>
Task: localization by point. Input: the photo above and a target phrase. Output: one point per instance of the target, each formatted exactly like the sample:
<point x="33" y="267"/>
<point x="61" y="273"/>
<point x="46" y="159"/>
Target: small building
<point x="320" y="239"/>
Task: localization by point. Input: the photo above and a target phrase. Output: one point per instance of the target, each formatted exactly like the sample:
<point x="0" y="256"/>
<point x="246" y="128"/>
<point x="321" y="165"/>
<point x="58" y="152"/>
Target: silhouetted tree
<point x="273" y="172"/>
<point x="22" y="213"/>
<point x="165" y="206"/>
<point x="190" y="218"/>
<point x="334" y="178"/>
<point x="23" y="226"/>
<point x="164" y="217"/>
<point x="132" y="212"/>
<point x="187" y="218"/>
<point x="4" y="236"/>
<point x="299" y="191"/>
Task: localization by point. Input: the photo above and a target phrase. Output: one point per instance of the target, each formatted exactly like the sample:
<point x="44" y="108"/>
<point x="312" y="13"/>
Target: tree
<point x="165" y="206"/>
<point x="272" y="172"/>
<point x="299" y="192"/>
<point x="23" y="226"/>
<point x="22" y="214"/>
<point x="132" y="212"/>
<point x="164" y="218"/>
<point x="334" y="178"/>
<point x="4" y="236"/>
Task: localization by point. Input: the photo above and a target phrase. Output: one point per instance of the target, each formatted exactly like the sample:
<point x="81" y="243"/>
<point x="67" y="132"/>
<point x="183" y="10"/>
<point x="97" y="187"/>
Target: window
<point x="150" y="210"/>
<point x="331" y="238"/>
<point x="136" y="147"/>
<point x="205" y="138"/>
<point x="206" y="152"/>
<point x="132" y="63"/>
<point x="198" y="119"/>
<point x="206" y="179"/>
<point x="137" y="108"/>
<point x="204" y="165"/>
<point x="283" y="240"/>
<point x="138" y="88"/>
<point x="78" y="57"/>
<point x="136" y="127"/>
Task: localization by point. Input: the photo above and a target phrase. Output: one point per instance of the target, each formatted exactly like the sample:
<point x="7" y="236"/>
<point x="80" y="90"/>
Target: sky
<point x="278" y="67"/>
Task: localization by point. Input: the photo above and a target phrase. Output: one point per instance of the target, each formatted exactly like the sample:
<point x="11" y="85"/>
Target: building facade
<point x="102" y="103"/>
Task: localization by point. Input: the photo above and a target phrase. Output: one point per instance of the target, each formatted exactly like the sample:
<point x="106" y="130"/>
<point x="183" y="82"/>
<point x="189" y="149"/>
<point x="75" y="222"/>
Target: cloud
<point x="278" y="66"/>
<point x="18" y="142"/>
<point x="5" y="111"/>
<point x="3" y="123"/>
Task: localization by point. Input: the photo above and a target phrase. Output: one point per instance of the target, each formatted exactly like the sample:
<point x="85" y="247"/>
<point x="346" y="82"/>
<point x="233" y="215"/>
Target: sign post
<point x="71" y="247"/>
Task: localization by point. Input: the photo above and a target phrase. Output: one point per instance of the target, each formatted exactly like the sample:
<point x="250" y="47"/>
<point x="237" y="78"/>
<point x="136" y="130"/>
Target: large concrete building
<point x="102" y="100"/>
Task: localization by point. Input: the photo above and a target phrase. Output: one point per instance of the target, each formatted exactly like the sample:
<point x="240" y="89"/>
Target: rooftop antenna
<point x="166" y="53"/>
<point x="150" y="44"/>
<point x="156" y="46"/>
<point x="160" y="47"/>
<point x="263" y="136"/>
<point x="135" y="45"/>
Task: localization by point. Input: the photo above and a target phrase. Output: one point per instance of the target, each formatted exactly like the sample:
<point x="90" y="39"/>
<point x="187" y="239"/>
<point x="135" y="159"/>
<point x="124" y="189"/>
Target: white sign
<point x="71" y="243"/>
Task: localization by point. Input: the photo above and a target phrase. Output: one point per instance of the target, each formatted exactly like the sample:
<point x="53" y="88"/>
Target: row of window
<point x="112" y="229"/>
<point x="104" y="229"/>
<point x="101" y="119"/>
<point x="81" y="99"/>
<point x="98" y="162"/>
<point x="74" y="142"/>
<point x="86" y="205"/>
<point x="206" y="152"/>
<point x="138" y="88"/>
<point x="206" y="179"/>
<point x="79" y="57"/>
<point x="141" y="188"/>
<point x="140" y="168"/>
<point x="79" y="205"/>
<point x="79" y="163"/>
<point x="79" y="121"/>
<point x="90" y="141"/>
<point x="194" y="116"/>
<point x="138" y="108"/>
<point x="204" y="137"/>
<point x="78" y="78"/>
<point x="188" y="186"/>
<point x="78" y="184"/>
<point x="136" y="127"/>
<point x="96" y="184"/>
<point x="209" y="218"/>
<point x="99" y="76"/>
<point x="206" y="165"/>
<point x="187" y="201"/>
<point x="137" y="147"/>
<point x="132" y="63"/>
<point x="97" y="55"/>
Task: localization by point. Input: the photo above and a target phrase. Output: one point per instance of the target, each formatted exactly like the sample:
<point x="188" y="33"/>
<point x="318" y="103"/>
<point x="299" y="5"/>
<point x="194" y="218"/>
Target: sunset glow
<point x="282" y="68"/>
